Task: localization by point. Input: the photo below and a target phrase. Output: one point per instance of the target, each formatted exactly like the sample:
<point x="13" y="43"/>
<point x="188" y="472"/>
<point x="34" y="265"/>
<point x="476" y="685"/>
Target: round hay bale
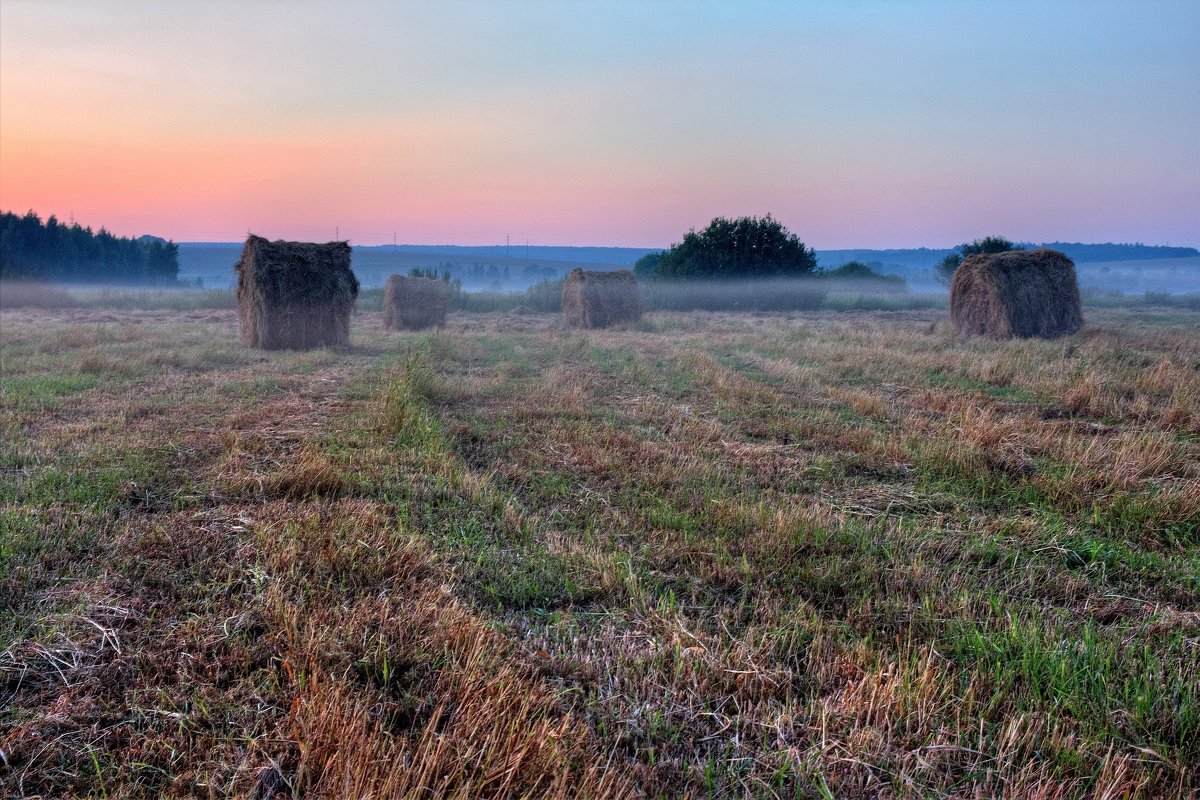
<point x="295" y="295"/>
<point x="412" y="304"/>
<point x="595" y="299"/>
<point x="1016" y="294"/>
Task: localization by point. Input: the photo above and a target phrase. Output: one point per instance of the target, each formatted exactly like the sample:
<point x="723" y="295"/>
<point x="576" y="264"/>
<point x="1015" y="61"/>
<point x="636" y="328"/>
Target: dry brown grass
<point x="490" y="732"/>
<point x="724" y="556"/>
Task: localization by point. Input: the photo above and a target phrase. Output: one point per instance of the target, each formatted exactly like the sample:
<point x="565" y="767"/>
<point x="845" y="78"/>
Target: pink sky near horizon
<point x="612" y="126"/>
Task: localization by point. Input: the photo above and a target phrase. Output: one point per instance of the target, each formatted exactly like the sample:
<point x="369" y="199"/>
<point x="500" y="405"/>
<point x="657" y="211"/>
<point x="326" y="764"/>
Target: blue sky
<point x="856" y="124"/>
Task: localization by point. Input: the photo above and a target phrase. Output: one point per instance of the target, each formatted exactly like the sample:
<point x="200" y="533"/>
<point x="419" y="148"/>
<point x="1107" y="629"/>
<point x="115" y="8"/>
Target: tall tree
<point x="986" y="245"/>
<point x="746" y="247"/>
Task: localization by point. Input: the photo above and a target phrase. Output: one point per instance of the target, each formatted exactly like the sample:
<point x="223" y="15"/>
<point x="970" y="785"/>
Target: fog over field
<point x="1170" y="275"/>
<point x="510" y="269"/>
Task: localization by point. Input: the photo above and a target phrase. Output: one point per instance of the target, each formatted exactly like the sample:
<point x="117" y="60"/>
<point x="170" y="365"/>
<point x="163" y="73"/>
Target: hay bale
<point x="414" y="303"/>
<point x="594" y="299"/>
<point x="1016" y="294"/>
<point x="295" y="295"/>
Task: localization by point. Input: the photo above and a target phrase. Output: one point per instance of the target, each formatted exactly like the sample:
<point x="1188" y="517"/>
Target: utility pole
<point x="506" y="244"/>
<point x="337" y="233"/>
<point x="393" y="240"/>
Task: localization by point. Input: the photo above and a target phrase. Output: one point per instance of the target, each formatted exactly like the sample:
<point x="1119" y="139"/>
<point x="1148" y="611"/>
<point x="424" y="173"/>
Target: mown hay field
<point x="779" y="555"/>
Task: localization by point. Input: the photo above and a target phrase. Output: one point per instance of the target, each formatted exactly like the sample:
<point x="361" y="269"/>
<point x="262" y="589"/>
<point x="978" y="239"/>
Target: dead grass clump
<point x="99" y="365"/>
<point x="312" y="475"/>
<point x="1000" y="370"/>
<point x="1178" y="417"/>
<point x="594" y="299"/>
<point x="862" y="403"/>
<point x="989" y="430"/>
<point x="1086" y="396"/>
<point x="1130" y="458"/>
<point x="1016" y="294"/>
<point x="414" y="303"/>
<point x="562" y="391"/>
<point x="727" y="383"/>
<point x="76" y="337"/>
<point x="410" y="694"/>
<point x="487" y="736"/>
<point x="295" y="295"/>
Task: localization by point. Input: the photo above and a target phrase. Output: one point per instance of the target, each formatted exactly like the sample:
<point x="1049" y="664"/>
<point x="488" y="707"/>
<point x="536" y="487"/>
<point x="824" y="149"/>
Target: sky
<point x="856" y="124"/>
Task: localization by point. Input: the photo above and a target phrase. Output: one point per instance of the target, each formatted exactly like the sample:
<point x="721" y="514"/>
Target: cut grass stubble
<point x="724" y="554"/>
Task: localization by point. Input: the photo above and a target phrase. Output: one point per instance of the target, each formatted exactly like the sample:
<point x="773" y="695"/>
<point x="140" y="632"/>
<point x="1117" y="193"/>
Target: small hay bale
<point x="1016" y="294"/>
<point x="414" y="303"/>
<point x="593" y="299"/>
<point x="295" y="295"/>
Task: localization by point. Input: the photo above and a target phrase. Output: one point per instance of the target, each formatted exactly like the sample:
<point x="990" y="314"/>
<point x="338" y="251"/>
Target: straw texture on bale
<point x="1016" y="294"/>
<point x="295" y="295"/>
<point x="594" y="299"/>
<point x="414" y="303"/>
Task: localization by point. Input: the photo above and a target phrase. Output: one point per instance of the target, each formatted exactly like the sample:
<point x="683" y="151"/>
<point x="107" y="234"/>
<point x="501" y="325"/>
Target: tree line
<point x="51" y="251"/>
<point x="761" y="247"/>
<point x="746" y="247"/>
<point x="1082" y="253"/>
<point x="751" y="247"/>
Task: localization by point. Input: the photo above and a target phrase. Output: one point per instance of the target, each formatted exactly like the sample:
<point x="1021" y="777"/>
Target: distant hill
<point x="917" y="265"/>
<point x="210" y="264"/>
<point x="1085" y="253"/>
<point x="584" y="255"/>
<point x="925" y="257"/>
<point x="619" y="256"/>
<point x="910" y="259"/>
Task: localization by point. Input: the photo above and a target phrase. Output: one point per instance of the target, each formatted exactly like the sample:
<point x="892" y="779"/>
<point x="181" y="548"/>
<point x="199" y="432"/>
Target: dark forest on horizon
<point x="31" y="249"/>
<point x="50" y="250"/>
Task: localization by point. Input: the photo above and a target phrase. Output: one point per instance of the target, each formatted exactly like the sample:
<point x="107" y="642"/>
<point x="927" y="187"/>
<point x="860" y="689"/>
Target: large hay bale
<point x="295" y="295"/>
<point x="1016" y="294"/>
<point x="593" y="299"/>
<point x="414" y="303"/>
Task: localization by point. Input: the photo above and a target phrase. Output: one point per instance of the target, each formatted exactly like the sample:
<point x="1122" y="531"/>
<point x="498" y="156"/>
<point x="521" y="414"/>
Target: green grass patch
<point x="46" y="390"/>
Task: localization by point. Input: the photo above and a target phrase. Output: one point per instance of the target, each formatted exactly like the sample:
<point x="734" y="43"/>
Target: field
<point x="817" y="554"/>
